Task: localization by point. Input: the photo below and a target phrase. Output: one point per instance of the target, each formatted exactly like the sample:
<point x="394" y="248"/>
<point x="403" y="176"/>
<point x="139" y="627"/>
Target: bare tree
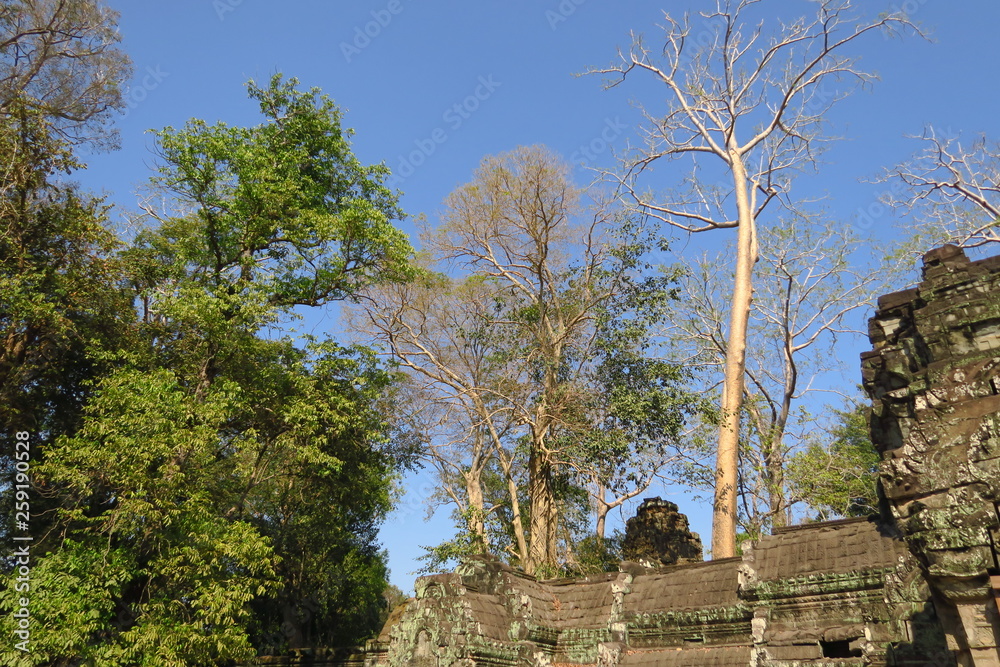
<point x="445" y="335"/>
<point x="60" y="59"/>
<point x="645" y="470"/>
<point x="746" y="107"/>
<point x="521" y="349"/>
<point x="952" y="191"/>
<point x="808" y="287"/>
<point x="518" y="223"/>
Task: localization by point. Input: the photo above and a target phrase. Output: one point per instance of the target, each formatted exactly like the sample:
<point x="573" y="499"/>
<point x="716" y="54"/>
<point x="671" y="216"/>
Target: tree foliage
<point x="59" y="301"/>
<point x="216" y="491"/>
<point x="59" y="60"/>
<point x="532" y="369"/>
<point x="282" y="213"/>
<point x="838" y="478"/>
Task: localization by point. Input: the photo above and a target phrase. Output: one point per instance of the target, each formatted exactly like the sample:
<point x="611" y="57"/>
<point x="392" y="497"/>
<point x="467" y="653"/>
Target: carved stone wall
<point x="805" y="596"/>
<point x="934" y="380"/>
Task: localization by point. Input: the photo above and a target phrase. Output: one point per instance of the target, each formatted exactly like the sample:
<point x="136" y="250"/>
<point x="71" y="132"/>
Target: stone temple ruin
<point x="919" y="586"/>
<point x="658" y="535"/>
<point x="934" y="381"/>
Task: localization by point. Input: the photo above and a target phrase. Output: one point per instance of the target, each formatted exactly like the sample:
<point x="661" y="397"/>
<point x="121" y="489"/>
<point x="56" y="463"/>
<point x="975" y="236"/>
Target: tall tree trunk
<point x="544" y="512"/>
<point x="552" y="547"/>
<point x="506" y="465"/>
<point x="774" y="463"/>
<point x="775" y="460"/>
<point x="542" y="500"/>
<point x="476" y="520"/>
<point x="517" y="521"/>
<point x="602" y="513"/>
<point x="727" y="459"/>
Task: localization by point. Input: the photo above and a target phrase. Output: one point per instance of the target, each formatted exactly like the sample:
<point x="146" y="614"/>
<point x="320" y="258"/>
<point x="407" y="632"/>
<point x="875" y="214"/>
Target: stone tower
<point x="934" y="381"/>
<point x="658" y="535"/>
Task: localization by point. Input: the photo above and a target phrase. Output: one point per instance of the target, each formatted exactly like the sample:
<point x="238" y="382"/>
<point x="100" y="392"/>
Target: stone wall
<point x="803" y="596"/>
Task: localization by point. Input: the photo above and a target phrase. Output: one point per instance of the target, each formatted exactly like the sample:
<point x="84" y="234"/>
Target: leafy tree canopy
<point x="839" y="478"/>
<point x="282" y="213"/>
<point x="213" y="492"/>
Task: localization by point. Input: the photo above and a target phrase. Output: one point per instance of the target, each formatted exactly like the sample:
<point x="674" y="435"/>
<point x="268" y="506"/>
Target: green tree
<point x="158" y="574"/>
<point x="636" y="401"/>
<point x="60" y="306"/>
<point x="223" y="490"/>
<point x="57" y="280"/>
<point x="838" y="478"/>
<point x="60" y="77"/>
<point x="282" y="213"/>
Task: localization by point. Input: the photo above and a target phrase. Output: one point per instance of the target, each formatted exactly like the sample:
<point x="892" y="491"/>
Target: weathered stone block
<point x="935" y="351"/>
<point x="659" y="535"/>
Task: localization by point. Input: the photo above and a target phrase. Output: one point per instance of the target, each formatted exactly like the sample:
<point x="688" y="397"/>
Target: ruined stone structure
<point x="806" y="595"/>
<point x="934" y="378"/>
<point x="659" y="535"/>
<point x="916" y="587"/>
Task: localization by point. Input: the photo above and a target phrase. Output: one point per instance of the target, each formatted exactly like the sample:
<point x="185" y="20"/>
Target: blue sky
<point x="432" y="88"/>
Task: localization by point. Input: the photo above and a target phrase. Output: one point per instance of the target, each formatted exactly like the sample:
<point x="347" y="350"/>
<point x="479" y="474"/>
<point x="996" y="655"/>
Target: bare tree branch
<point x="951" y="191"/>
<point x="750" y="105"/>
